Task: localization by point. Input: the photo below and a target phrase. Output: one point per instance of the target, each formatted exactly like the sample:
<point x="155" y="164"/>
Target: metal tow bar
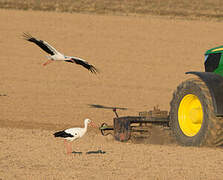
<point x="105" y="127"/>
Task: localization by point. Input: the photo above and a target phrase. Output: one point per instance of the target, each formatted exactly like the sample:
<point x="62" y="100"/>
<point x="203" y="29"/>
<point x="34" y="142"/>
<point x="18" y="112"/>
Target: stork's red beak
<point x="92" y="124"/>
<point x="48" y="62"/>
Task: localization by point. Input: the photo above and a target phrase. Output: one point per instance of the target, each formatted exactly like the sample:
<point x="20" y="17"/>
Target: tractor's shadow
<point x="156" y="135"/>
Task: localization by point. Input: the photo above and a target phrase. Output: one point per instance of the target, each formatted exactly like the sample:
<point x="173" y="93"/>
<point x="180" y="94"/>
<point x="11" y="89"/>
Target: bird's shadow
<point x="90" y="152"/>
<point x="76" y="152"/>
<point x="3" y="94"/>
<point x="105" y="107"/>
<point x="96" y="152"/>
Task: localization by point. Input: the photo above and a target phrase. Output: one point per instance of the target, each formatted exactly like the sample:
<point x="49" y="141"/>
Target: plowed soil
<point x="141" y="62"/>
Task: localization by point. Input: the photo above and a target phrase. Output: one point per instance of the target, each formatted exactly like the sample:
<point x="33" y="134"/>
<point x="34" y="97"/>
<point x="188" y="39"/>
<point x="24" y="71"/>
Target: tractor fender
<point x="214" y="83"/>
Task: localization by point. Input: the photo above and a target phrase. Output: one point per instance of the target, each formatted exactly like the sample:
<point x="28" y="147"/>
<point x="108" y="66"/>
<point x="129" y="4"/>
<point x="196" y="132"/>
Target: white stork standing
<point x="57" y="56"/>
<point x="73" y="133"/>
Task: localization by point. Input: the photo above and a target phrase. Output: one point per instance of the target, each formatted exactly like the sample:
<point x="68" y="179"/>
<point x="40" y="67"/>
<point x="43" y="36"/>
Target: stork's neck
<point x="85" y="126"/>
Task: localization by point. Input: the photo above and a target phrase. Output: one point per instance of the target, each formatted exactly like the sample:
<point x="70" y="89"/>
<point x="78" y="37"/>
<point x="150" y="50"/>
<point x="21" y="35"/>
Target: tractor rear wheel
<point x="192" y="118"/>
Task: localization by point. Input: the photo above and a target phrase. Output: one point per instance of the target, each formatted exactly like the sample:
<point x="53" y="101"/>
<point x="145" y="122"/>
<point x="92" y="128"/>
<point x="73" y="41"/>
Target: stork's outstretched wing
<point x="42" y="44"/>
<point x="83" y="63"/>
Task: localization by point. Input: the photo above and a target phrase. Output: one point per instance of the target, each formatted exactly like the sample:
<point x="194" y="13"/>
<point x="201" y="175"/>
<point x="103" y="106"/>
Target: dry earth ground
<point x="189" y="9"/>
<point x="141" y="61"/>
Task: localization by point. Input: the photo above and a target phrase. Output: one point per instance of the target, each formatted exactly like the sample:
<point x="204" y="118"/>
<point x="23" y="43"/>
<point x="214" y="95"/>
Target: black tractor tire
<point x="211" y="128"/>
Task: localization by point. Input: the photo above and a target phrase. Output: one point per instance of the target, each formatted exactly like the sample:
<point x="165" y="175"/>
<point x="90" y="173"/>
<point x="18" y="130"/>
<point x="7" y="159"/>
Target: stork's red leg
<point x="48" y="62"/>
<point x="68" y="146"/>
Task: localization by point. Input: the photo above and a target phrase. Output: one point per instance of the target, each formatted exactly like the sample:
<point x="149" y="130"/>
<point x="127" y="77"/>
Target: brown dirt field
<point x="141" y="62"/>
<point x="188" y="9"/>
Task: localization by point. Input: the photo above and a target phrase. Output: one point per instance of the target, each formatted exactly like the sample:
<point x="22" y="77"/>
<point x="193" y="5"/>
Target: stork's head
<point x="88" y="121"/>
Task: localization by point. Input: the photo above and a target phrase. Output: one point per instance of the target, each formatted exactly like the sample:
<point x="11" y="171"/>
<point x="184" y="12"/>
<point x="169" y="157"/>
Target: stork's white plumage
<point x="56" y="55"/>
<point x="73" y="133"/>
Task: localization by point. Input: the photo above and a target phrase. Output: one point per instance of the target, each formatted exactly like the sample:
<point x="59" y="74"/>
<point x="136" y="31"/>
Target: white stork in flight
<point x="57" y="56"/>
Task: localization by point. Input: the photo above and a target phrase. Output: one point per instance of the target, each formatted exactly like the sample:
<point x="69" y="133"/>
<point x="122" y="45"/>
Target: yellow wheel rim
<point x="190" y="115"/>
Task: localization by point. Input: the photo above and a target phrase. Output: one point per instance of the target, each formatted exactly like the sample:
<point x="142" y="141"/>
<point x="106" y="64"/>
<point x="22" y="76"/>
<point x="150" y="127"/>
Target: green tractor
<point x="196" y="109"/>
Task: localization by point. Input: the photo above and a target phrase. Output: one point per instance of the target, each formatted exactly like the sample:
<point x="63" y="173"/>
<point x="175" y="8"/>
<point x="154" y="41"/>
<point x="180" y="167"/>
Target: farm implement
<point x="124" y="126"/>
<point x="196" y="109"/>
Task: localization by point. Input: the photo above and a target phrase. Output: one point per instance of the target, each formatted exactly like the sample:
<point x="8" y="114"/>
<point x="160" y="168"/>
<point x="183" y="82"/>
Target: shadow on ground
<point x="156" y="135"/>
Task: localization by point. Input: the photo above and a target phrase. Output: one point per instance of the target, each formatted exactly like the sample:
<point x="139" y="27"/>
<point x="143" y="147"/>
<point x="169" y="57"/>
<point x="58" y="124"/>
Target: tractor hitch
<point x="104" y="127"/>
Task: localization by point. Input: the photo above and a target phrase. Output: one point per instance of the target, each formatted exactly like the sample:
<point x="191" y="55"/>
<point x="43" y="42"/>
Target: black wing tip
<point x="56" y="134"/>
<point x="27" y="36"/>
<point x="93" y="70"/>
<point x="85" y="64"/>
<point x="62" y="134"/>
